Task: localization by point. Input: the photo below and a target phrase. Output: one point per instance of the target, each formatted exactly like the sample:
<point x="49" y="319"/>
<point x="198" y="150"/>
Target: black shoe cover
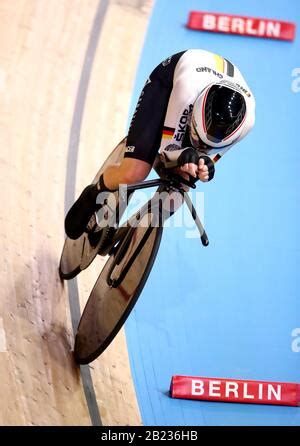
<point x="81" y="212"/>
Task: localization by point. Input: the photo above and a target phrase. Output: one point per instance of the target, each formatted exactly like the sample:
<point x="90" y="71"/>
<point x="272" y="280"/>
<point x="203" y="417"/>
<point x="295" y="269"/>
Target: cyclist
<point x="193" y="108"/>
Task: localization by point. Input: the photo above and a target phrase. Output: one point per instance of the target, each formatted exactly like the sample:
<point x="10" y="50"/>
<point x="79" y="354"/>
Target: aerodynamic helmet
<point x="218" y="116"/>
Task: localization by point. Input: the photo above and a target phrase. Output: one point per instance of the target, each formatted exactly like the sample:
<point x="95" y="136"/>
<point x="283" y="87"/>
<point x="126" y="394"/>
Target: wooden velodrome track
<point x="66" y="73"/>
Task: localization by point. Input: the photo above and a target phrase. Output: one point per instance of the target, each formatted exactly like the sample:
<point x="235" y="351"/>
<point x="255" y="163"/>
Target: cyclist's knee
<point x="134" y="171"/>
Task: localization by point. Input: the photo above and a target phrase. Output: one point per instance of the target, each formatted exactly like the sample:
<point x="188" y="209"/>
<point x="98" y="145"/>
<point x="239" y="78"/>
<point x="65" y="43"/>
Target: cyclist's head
<point x="218" y="116"/>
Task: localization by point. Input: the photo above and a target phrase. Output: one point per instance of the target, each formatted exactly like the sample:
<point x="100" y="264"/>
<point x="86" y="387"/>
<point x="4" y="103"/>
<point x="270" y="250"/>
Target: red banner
<point x="235" y="390"/>
<point x="245" y="26"/>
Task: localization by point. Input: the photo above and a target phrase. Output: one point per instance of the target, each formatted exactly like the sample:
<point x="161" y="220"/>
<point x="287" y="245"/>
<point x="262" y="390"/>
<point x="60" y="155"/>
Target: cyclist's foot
<point x="81" y="212"/>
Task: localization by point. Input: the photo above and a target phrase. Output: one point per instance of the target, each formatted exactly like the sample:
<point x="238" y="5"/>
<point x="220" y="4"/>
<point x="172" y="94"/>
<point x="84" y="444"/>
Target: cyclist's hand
<point x="206" y="169"/>
<point x="188" y="162"/>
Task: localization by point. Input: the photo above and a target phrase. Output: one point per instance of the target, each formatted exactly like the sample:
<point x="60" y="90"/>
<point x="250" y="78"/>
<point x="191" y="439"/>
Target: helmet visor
<point x="223" y="112"/>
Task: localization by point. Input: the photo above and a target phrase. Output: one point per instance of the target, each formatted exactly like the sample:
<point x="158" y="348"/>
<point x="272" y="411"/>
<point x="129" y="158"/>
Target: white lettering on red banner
<point x="239" y="391"/>
<point x="246" y="26"/>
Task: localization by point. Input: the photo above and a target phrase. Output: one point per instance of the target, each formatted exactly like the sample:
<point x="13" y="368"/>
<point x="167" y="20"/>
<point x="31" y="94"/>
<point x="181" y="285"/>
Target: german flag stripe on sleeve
<point x="168" y="132"/>
<point x="216" y="158"/>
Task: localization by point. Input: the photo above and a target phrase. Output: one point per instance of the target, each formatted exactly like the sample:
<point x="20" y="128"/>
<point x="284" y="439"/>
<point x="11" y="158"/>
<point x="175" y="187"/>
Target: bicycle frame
<point x="123" y="235"/>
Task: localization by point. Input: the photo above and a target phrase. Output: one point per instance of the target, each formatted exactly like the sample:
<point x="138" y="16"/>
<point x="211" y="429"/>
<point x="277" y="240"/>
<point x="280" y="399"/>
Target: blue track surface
<point x="228" y="310"/>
